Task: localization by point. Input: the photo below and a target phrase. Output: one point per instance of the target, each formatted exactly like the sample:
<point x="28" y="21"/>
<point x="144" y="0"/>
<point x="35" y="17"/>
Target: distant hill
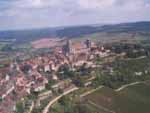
<point x="75" y="31"/>
<point x="128" y="27"/>
<point x="27" y="35"/>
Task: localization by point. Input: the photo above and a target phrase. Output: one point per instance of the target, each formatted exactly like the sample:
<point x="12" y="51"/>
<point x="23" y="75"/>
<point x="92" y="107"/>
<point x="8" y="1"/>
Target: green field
<point x="105" y="37"/>
<point x="134" y="99"/>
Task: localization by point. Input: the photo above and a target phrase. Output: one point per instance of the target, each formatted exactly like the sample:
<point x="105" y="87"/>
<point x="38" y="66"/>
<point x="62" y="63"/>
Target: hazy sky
<point x="20" y="14"/>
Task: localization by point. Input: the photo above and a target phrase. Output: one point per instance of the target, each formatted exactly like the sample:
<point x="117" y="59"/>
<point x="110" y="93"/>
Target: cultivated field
<point x="47" y="43"/>
<point x="134" y="99"/>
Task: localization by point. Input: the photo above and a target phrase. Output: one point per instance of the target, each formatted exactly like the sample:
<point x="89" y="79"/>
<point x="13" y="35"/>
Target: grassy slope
<point x="135" y="99"/>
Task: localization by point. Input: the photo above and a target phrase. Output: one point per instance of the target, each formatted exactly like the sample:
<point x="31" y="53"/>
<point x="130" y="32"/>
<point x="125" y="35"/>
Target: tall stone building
<point x="88" y="43"/>
<point x="68" y="49"/>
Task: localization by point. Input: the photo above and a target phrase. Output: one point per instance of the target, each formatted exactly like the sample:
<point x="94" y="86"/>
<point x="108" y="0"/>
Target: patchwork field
<point x="47" y="43"/>
<point x="134" y="99"/>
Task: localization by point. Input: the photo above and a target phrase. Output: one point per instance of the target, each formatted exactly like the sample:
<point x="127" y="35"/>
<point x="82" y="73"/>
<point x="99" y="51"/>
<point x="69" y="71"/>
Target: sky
<point x="27" y="14"/>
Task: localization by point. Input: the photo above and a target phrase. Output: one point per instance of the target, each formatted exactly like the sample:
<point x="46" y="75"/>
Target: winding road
<point x="72" y="89"/>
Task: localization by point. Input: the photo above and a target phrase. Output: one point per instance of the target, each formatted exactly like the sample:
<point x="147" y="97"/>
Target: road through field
<point x="91" y="91"/>
<point x="58" y="97"/>
<point x="127" y="85"/>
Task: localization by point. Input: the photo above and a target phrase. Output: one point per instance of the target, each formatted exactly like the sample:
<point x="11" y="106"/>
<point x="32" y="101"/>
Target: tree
<point x="65" y="72"/>
<point x="78" y="81"/>
<point x="50" y="83"/>
<point x="20" y="107"/>
<point x="1" y="99"/>
<point x="7" y="48"/>
<point x="64" y="100"/>
<point x="26" y="68"/>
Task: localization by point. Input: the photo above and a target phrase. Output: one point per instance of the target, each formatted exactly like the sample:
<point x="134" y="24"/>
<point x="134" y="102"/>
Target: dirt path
<point x="127" y="85"/>
<point x="101" y="107"/>
<point x="91" y="91"/>
<point x="142" y="57"/>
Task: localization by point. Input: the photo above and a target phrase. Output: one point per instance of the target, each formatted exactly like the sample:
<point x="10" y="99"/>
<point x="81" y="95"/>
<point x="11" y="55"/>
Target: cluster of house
<point x="20" y="79"/>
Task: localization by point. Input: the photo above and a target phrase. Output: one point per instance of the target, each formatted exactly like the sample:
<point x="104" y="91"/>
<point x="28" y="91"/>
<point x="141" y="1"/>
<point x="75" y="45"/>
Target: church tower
<point x="88" y="43"/>
<point x="68" y="47"/>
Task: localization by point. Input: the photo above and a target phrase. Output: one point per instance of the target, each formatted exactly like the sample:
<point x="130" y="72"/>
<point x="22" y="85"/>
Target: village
<point x="74" y="56"/>
<point x="20" y="79"/>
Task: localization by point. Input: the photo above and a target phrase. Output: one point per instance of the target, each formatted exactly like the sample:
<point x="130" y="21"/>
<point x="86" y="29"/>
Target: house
<point x="46" y="94"/>
<point x="138" y="73"/>
<point x="47" y="68"/>
<point x="39" y="88"/>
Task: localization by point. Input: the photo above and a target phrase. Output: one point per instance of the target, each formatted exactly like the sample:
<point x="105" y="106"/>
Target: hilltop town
<point x="25" y="84"/>
<point x="20" y="79"/>
<point x="74" y="56"/>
